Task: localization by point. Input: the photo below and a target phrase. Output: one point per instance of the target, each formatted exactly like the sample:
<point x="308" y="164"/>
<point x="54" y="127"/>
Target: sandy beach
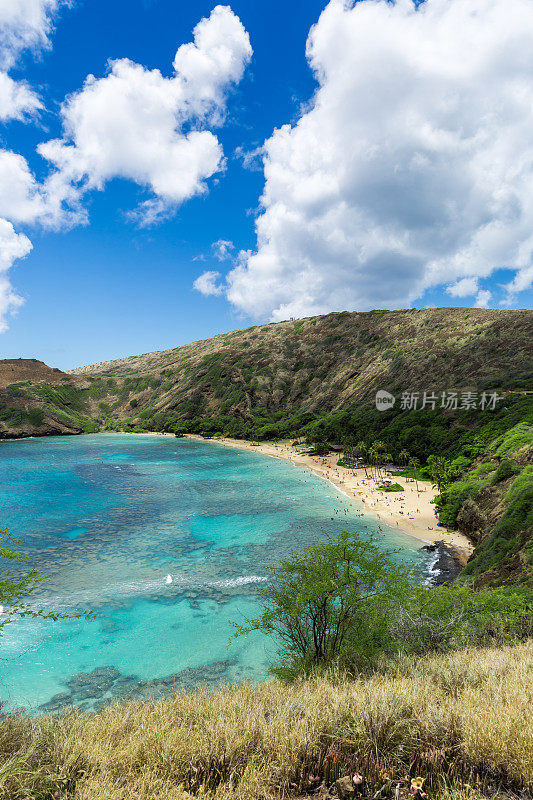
<point x="410" y="511"/>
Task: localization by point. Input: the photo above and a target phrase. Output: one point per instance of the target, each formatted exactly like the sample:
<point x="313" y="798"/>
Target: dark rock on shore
<point x="447" y="565"/>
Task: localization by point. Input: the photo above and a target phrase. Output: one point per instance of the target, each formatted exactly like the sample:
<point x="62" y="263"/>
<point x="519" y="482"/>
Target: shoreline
<point x="409" y="511"/>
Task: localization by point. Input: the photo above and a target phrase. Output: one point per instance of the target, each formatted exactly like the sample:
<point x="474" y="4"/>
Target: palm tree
<point x="403" y="457"/>
<point x="373" y="460"/>
<point x="378" y="447"/>
<point x="363" y="451"/>
<point x="414" y="463"/>
<point x="439" y="470"/>
<point x="370" y="454"/>
<point x="347" y="450"/>
<point x="387" y="458"/>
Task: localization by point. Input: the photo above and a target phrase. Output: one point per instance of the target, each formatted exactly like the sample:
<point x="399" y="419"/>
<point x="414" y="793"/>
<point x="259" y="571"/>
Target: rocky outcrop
<point x="13" y="370"/>
<point x="499" y="519"/>
<point x="37" y="400"/>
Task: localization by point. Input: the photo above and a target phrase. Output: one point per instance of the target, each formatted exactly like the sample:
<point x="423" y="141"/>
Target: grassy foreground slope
<point x="460" y="721"/>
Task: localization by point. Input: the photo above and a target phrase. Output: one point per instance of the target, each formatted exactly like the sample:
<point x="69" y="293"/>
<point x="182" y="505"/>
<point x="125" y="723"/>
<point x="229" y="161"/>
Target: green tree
<point x="373" y="460"/>
<point x="414" y="463"/>
<point x="403" y="457"/>
<point x="362" y="449"/>
<point x="16" y="586"/>
<point x="328" y="603"/>
<point x="440" y="472"/>
<point x="379" y="448"/>
<point x="320" y="448"/>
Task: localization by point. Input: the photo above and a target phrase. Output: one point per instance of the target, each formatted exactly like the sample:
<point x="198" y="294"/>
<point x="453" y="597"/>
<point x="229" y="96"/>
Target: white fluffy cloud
<point x="134" y="124"/>
<point x="21" y="199"/>
<point x="17" y="100"/>
<point x="139" y="125"/>
<point x="467" y="287"/>
<point x="413" y="167"/>
<point x="483" y="298"/>
<point x="24" y="25"/>
<point x="208" y="283"/>
<point x="19" y="202"/>
<point x="12" y="247"/>
<point x="463" y="288"/>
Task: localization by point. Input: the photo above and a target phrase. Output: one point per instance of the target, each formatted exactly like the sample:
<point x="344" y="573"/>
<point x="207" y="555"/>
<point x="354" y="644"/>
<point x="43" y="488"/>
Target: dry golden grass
<point x="462" y="721"/>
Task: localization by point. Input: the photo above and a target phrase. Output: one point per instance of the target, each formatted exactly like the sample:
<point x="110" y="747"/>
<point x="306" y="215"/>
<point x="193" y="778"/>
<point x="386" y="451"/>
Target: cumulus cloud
<point x="208" y="283"/>
<point x="19" y="202"/>
<point x="17" y="100"/>
<point x="12" y="247"/>
<point x="139" y="125"/>
<point x="21" y="198"/>
<point x="463" y="288"/>
<point x="24" y="25"/>
<point x="412" y="167"/>
<point x="483" y="298"/>
<point x="134" y="124"/>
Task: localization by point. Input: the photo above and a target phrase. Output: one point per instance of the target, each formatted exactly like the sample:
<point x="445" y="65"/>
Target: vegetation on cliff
<point x="274" y="380"/>
<point x="491" y="501"/>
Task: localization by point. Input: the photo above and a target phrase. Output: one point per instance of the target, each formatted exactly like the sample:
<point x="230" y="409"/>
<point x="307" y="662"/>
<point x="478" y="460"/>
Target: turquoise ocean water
<point x="110" y="516"/>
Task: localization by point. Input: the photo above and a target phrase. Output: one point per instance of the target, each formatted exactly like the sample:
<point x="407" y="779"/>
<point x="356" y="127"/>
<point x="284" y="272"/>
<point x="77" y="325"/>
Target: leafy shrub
<point x="506" y="469"/>
<point x="328" y="603"/>
<point x="346" y="602"/>
<point x="91" y="427"/>
<point x="449" y="502"/>
<point x="513" y="440"/>
<point x="36" y="416"/>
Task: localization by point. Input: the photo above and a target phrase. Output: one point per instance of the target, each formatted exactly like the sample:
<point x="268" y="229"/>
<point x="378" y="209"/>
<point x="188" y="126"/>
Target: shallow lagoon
<point x="109" y="516"/>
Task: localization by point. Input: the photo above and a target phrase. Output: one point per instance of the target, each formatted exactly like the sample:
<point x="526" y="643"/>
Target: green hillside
<point x="317" y="378"/>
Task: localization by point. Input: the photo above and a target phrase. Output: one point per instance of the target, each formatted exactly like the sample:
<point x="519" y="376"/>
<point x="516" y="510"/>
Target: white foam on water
<point x="242" y="581"/>
<point x="433" y="570"/>
<point x="139" y="588"/>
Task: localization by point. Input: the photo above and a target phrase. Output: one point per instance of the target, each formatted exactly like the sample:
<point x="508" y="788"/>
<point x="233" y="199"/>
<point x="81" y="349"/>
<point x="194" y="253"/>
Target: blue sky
<point x="112" y="287"/>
